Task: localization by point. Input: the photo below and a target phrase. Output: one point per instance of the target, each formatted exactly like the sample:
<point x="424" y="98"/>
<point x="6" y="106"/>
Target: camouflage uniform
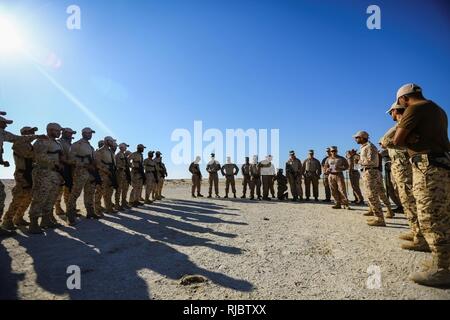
<point x="161" y="174"/>
<point x="294" y="175"/>
<point x="22" y="191"/>
<point x="336" y="179"/>
<point x="137" y="176"/>
<point x="229" y="170"/>
<point x="194" y="169"/>
<point x="312" y="170"/>
<point x="106" y="165"/>
<point x="245" y="169"/>
<point x="46" y="177"/>
<point x="151" y="182"/>
<point x="213" y="168"/>
<point x="64" y="191"/>
<point x="355" y="176"/>
<point x="255" y="181"/>
<point x="123" y="179"/>
<point x="326" y="184"/>
<point x="82" y="155"/>
<point x="372" y="179"/>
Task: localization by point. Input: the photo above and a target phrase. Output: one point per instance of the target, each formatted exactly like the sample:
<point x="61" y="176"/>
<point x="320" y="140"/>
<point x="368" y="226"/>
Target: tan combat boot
<point x="34" y="227"/>
<point x="8" y="225"/>
<point x="389" y="214"/>
<point x="368" y="214"/>
<point x="432" y="277"/>
<point x="376" y="222"/>
<point x="418" y="245"/>
<point x="407" y="236"/>
<point x="336" y="206"/>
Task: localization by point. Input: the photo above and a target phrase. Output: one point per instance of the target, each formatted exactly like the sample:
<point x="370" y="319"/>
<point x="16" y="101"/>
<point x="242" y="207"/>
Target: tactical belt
<point x="434" y="159"/>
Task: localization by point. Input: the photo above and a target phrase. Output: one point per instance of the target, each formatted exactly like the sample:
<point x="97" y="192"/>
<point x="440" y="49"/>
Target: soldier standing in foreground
<point x="335" y="166"/>
<point x="213" y="167"/>
<point x="229" y="170"/>
<point x="161" y="173"/>
<point x="281" y="185"/>
<point x="194" y="169"/>
<point x="151" y="178"/>
<point x="354" y="175"/>
<point x="423" y="129"/>
<point x="245" y="169"/>
<point x="294" y="175"/>
<point x="22" y="191"/>
<point x="312" y="170"/>
<point x="326" y="184"/>
<point x="402" y="175"/>
<point x="267" y="174"/>
<point x="255" y="179"/>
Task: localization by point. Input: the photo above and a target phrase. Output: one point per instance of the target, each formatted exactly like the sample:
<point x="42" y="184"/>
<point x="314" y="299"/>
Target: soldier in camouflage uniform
<point x="402" y="174"/>
<point x="194" y="169"/>
<point x="354" y="175"/>
<point x="255" y="179"/>
<point x="423" y="129"/>
<point x="281" y="185"/>
<point x="312" y="170"/>
<point x="47" y="179"/>
<point x="373" y="181"/>
<point x="335" y="165"/>
<point x="21" y="193"/>
<point x="245" y="169"/>
<point x="151" y="179"/>
<point x="294" y="174"/>
<point x="64" y="192"/>
<point x="213" y="167"/>
<point x="137" y="176"/>
<point x="85" y="176"/>
<point x="229" y="170"/>
<point x="123" y="178"/>
<point x="106" y="165"/>
<point x="326" y="184"/>
<point x="161" y="174"/>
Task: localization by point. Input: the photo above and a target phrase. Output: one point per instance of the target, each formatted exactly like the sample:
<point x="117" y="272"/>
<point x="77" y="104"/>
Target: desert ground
<point x="243" y="249"/>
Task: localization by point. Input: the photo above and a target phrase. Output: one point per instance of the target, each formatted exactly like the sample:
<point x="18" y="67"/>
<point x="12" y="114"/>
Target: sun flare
<point x="10" y="38"/>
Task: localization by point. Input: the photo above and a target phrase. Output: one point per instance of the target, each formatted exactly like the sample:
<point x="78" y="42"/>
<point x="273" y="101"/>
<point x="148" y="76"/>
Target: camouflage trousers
<point x="21" y="198"/>
<point x="338" y="190"/>
<point x="196" y="183"/>
<point x="137" y="185"/>
<point x="104" y="190"/>
<point x="311" y="179"/>
<point x="64" y="192"/>
<point x="255" y="185"/>
<point x="122" y="188"/>
<point x="213" y="180"/>
<point x="150" y="185"/>
<point x="431" y="189"/>
<point x="355" y="176"/>
<point x="375" y="191"/>
<point x="326" y="186"/>
<point x="82" y="181"/>
<point x="46" y="184"/>
<point x="159" y="187"/>
<point x="402" y="175"/>
<point x="229" y="181"/>
<point x="245" y="184"/>
<point x="295" y="184"/>
<point x="2" y="198"/>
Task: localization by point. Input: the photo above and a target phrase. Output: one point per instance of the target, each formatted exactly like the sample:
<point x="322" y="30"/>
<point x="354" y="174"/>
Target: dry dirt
<point x="244" y="249"/>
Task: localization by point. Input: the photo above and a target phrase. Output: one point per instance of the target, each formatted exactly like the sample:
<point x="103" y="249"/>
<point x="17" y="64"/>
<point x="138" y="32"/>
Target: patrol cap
<point x="333" y="148"/>
<point x="109" y="138"/>
<point x="87" y="130"/>
<point x="361" y="134"/>
<point x="158" y="153"/>
<point x="123" y="145"/>
<point x="292" y="153"/>
<point x="27" y="129"/>
<point x="311" y="151"/>
<point x="213" y="155"/>
<point x="394" y="106"/>
<point x="408" y="89"/>
<point x="69" y="130"/>
<point x="2" y="113"/>
<point x="141" y="146"/>
<point x="54" y="125"/>
<point x="5" y="120"/>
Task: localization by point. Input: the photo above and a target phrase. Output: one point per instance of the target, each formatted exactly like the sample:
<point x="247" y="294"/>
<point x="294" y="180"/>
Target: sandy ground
<point x="246" y="250"/>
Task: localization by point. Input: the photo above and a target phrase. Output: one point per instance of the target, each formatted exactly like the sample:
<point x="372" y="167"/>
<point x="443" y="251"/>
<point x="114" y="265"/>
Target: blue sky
<point x="145" y="68"/>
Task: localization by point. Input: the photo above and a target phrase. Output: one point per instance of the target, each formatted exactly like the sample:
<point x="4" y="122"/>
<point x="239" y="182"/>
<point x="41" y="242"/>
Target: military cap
<point x="2" y="113"/>
<point x="408" y="89"/>
<point x="311" y="151"/>
<point x="54" y="125"/>
<point x="158" y="153"/>
<point x="109" y="138"/>
<point x="5" y="120"/>
<point x="361" y="134"/>
<point x="27" y="129"/>
<point x="141" y="146"/>
<point x="213" y="155"/>
<point x="333" y="148"/>
<point x="69" y="130"/>
<point x="395" y="106"/>
<point x="87" y="130"/>
<point x="292" y="153"/>
<point x="123" y="145"/>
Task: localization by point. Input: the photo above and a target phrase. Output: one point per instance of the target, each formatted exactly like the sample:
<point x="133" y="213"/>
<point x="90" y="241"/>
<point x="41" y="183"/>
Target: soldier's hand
<point x="5" y="164"/>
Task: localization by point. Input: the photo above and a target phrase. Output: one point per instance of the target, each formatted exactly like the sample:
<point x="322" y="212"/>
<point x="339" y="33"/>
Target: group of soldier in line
<point x="53" y="168"/>
<point x="417" y="145"/>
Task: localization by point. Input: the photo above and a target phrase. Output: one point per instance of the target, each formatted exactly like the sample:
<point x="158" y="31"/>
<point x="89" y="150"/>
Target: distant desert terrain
<point x="244" y="250"/>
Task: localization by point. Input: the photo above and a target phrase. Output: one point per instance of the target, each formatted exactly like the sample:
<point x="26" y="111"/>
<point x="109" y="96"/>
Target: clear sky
<point x="141" y="69"/>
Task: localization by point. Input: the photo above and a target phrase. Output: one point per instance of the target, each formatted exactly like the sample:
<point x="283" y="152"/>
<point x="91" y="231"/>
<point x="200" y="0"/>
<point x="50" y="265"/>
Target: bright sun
<point x="10" y="38"/>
